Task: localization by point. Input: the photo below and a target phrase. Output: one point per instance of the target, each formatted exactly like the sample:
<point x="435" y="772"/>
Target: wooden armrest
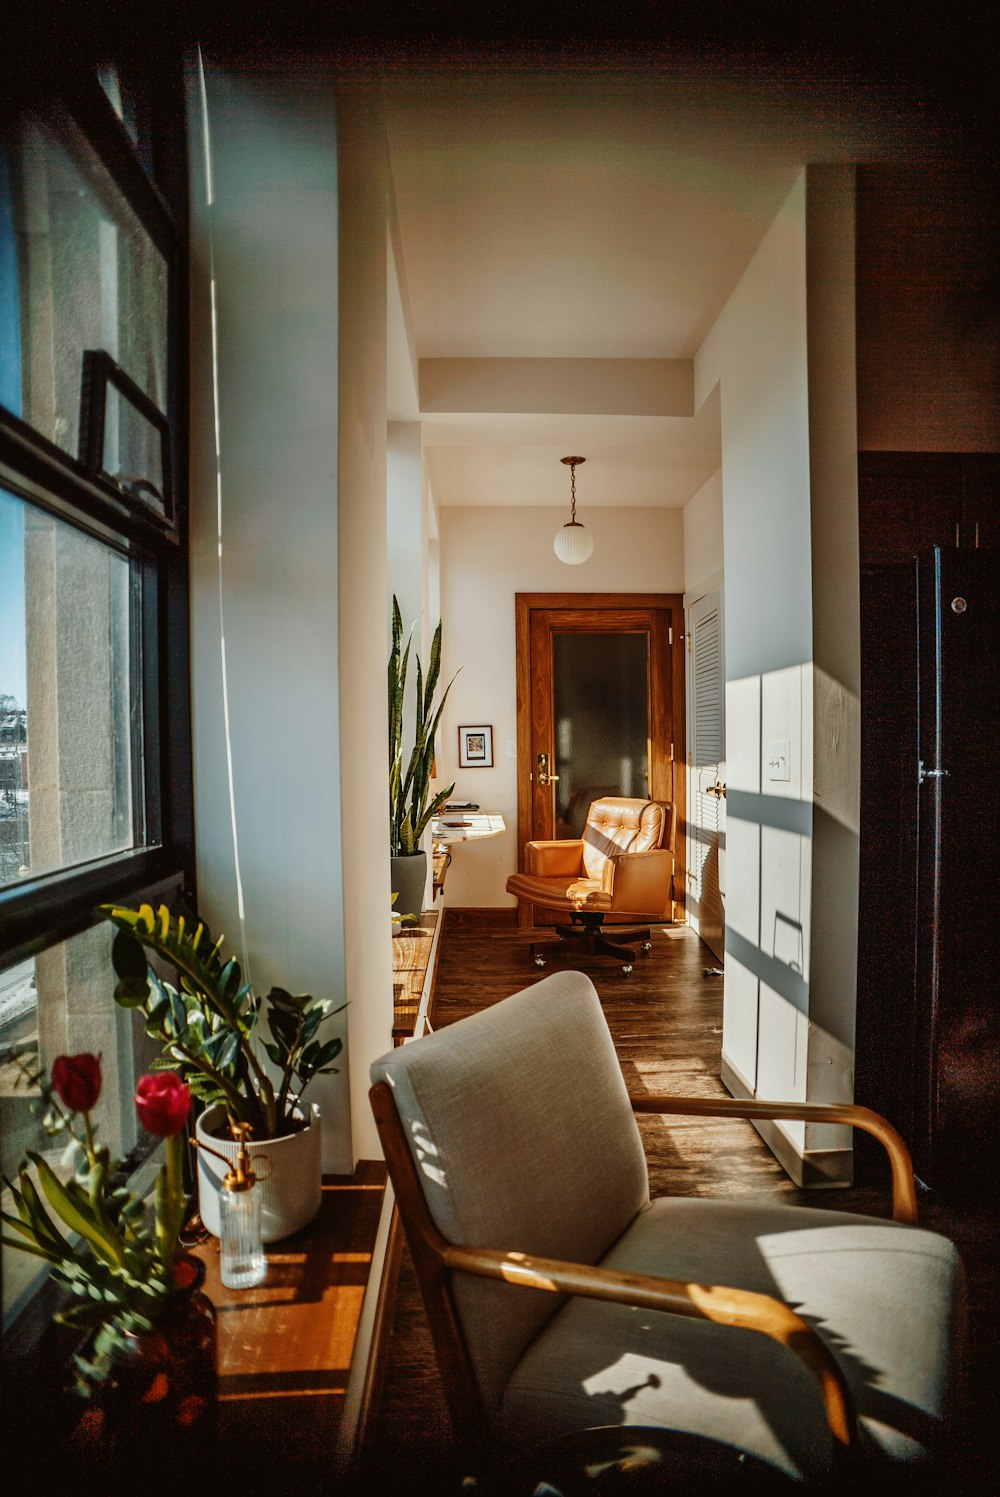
<point x="715" y="1302"/>
<point x="904" y="1192"/>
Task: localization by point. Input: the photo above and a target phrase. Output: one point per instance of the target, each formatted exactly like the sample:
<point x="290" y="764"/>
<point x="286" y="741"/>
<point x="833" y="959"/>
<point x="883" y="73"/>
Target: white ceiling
<point x="594" y="212"/>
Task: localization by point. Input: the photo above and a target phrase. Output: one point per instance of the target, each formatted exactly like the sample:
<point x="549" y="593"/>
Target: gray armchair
<point x="561" y="1298"/>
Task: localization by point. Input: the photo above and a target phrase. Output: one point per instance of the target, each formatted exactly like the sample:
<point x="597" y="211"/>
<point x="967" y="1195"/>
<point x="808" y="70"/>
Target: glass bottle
<point x="243" y="1263"/>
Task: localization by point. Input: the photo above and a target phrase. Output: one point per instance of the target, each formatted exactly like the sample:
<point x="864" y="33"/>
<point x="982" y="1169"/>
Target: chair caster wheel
<point x="647" y="947"/>
<point x="627" y="968"/>
<point x="539" y="961"/>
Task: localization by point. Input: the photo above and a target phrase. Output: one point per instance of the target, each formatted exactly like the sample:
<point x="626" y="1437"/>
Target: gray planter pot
<point x="409" y="879"/>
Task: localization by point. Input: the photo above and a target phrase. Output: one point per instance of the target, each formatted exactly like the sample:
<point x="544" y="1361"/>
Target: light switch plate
<point x="511" y="748"/>
<point x="778" y="759"/>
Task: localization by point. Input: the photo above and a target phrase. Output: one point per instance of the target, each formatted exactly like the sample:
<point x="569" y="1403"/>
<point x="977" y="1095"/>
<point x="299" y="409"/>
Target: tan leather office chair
<point x="821" y="1343"/>
<point x="620" y="869"/>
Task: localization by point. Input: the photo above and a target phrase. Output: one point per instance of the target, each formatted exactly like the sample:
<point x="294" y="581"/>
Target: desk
<point x="466" y="826"/>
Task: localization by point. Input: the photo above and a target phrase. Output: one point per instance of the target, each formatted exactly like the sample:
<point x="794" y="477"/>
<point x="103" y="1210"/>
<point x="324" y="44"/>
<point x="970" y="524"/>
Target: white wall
<point x="782" y="349"/>
<point x="274" y="227"/>
<point x="364" y="635"/>
<point x="408" y="540"/>
<point x="703" y="542"/>
<point x="488" y="555"/>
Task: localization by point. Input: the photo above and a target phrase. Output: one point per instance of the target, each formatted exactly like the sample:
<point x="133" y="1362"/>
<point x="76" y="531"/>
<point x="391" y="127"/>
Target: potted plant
<point x="409" y="807"/>
<point x="135" y="1298"/>
<point x="209" y="1026"/>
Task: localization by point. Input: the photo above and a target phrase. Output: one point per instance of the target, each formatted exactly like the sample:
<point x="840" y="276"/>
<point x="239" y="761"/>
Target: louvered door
<point x="707" y="778"/>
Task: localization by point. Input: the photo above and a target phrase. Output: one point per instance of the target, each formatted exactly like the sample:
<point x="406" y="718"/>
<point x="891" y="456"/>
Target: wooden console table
<point x="411" y="955"/>
<point x="284" y="1359"/>
<point x="285" y="1347"/>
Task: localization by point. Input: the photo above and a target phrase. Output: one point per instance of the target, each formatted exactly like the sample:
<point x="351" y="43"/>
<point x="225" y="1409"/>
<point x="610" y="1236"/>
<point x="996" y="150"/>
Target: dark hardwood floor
<point x="666" y="1020"/>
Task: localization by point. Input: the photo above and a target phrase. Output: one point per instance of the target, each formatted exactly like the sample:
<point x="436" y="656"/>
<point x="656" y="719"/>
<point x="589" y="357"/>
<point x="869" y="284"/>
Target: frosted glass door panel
<point x="601" y="709"/>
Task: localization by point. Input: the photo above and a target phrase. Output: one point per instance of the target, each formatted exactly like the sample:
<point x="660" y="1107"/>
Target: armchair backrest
<point x="520" y="1128"/>
<point x="617" y="824"/>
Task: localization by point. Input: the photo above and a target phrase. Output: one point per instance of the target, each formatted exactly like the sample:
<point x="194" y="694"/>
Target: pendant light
<point x="574" y="542"/>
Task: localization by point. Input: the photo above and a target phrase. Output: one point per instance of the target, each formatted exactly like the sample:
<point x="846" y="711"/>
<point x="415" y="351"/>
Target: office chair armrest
<point x="640" y="881"/>
<point x="715" y="1302"/>
<point x="554" y="859"/>
<point x="904" y="1194"/>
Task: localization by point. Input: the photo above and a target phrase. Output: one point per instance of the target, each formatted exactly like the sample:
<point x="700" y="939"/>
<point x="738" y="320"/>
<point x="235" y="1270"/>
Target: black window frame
<point x="50" y="908"/>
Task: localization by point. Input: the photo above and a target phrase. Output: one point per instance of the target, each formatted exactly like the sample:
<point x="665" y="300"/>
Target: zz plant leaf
<point x="206" y="1019"/>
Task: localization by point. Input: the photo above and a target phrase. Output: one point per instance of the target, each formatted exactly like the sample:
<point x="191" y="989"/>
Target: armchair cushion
<point x="618" y="824"/>
<point x="888" y="1298"/>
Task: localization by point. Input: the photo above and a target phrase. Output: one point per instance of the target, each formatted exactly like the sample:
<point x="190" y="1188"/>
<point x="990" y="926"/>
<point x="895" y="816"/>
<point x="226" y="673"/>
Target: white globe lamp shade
<point x="573" y="543"/>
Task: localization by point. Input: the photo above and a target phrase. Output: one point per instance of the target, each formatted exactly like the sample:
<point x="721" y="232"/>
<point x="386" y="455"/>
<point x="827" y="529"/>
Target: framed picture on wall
<point x="475" y="747"/>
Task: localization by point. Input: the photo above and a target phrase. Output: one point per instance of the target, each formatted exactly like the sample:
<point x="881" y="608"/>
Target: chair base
<point x="588" y="937"/>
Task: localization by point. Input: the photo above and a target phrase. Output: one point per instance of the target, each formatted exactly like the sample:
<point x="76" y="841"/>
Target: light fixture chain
<point x="572" y="489"/>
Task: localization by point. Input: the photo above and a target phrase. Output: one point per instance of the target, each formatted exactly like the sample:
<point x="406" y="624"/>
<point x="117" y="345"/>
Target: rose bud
<point x="77" y="1080"/>
<point x="163" y="1102"/>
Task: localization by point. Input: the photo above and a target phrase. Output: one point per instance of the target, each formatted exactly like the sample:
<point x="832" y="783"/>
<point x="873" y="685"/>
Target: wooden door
<point x="601" y="672"/>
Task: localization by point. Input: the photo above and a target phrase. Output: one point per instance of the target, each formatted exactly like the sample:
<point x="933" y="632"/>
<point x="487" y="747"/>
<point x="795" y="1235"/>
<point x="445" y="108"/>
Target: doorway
<point x="600" y="711"/>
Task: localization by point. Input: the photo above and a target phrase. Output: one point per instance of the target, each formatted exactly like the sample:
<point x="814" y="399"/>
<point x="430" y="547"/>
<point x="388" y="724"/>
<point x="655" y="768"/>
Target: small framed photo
<point x="475" y="748"/>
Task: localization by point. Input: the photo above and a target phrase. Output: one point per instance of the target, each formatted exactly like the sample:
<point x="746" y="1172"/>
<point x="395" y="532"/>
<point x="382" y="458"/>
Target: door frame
<point x="524" y="605"/>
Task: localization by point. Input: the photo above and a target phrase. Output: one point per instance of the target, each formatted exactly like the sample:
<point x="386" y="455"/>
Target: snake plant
<point x="409" y="807"/>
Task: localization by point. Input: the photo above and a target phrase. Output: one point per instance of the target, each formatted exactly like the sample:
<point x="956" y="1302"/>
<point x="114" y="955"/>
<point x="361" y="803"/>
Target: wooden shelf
<point x="284" y="1357"/>
<point x="411" y="955"/>
<point x="285" y="1347"/>
<point x="441" y="863"/>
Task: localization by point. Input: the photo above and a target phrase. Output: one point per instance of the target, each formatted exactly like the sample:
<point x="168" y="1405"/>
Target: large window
<point x="95" y="798"/>
<point x="68" y="753"/>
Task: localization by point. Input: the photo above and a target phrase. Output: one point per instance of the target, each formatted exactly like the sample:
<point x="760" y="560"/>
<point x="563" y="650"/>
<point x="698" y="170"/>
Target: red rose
<point x="163" y="1102"/>
<point x="77" y="1079"/>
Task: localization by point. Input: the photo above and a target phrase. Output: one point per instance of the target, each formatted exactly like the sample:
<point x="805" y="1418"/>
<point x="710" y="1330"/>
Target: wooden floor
<point x="666" y="1020"/>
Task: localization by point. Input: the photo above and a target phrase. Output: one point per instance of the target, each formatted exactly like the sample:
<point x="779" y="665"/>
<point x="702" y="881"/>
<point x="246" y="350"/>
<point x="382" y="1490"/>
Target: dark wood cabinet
<point x="927" y="1034"/>
<point x="911" y="501"/>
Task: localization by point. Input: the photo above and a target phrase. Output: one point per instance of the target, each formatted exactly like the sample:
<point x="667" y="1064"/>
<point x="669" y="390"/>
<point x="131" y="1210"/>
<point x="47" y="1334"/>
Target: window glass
<point x="66" y="701"/>
<point x="61" y="1003"/>
<point x="88" y="277"/>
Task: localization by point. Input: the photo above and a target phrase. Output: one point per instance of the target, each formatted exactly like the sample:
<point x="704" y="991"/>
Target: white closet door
<point x="707" y="772"/>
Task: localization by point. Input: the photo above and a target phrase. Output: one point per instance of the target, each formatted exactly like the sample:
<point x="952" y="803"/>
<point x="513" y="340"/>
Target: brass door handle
<point x="544" y="778"/>
<point x="718" y="789"/>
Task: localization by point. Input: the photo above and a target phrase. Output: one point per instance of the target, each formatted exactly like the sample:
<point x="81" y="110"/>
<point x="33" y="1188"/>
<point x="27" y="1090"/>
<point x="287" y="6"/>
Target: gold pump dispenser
<point x="242" y="1177"/>
<point x="242" y="1262"/>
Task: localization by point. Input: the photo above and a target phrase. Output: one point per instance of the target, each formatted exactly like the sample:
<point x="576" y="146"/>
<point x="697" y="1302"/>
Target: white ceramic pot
<point x="289" y="1174"/>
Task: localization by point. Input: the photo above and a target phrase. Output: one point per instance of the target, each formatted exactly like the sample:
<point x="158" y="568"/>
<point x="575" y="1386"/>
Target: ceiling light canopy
<point x="574" y="542"/>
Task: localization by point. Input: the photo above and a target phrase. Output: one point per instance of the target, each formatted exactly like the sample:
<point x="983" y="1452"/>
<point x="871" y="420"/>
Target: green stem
<point x="91" y="1147"/>
<point x="235" y="1104"/>
<point x="170" y="1201"/>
